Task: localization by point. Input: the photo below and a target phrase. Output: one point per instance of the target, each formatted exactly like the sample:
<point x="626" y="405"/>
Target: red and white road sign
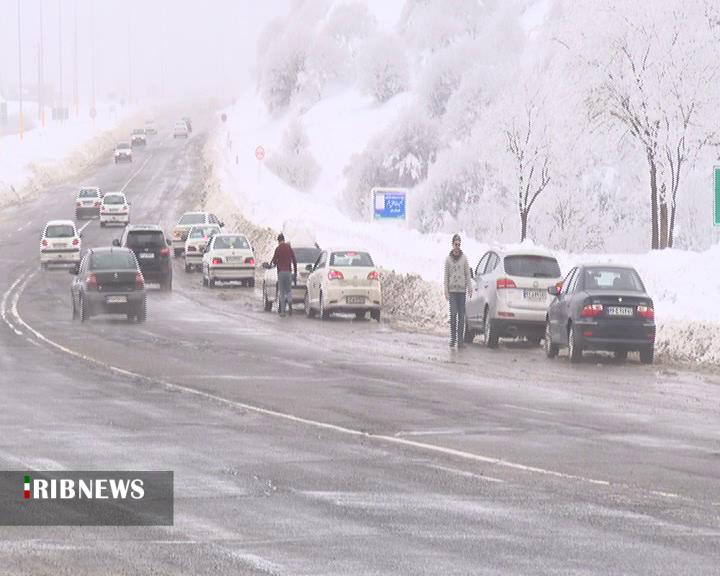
<point x="259" y="152"/>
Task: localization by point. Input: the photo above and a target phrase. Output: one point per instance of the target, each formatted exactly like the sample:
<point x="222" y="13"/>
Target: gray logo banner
<point x="86" y="498"/>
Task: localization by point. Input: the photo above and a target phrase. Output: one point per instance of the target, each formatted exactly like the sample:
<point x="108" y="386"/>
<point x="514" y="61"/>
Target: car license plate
<point x="355" y="300"/>
<point x="147" y="255"/>
<point x="58" y="245"/>
<point x="116" y="299"/>
<point x="620" y="311"/>
<point x="534" y="295"/>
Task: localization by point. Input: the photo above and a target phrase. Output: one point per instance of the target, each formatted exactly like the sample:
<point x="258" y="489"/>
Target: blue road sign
<point x="389" y="204"/>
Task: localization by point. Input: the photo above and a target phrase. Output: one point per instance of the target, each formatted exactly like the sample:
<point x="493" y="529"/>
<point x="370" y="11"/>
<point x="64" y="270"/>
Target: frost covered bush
<point x="294" y="163"/>
<point x="434" y="24"/>
<point x="383" y="68"/>
<point x="466" y="104"/>
<point x="440" y="78"/>
<point x="281" y="65"/>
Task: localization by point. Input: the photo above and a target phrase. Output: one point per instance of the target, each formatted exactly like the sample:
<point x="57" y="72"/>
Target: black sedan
<point x="601" y="307"/>
<point x="108" y="281"/>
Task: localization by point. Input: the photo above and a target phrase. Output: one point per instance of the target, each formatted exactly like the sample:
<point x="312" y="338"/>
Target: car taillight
<point x="165" y="251"/>
<point x="217" y="260"/>
<point x="78" y="204"/>
<point x="139" y="280"/>
<point x="504" y="283"/>
<point x="250" y="260"/>
<point x="91" y="282"/>
<point x="646" y="312"/>
<point x="97" y="204"/>
<point x="335" y="275"/>
<point x="373" y="275"/>
<point x="591" y="310"/>
<point x="44" y="242"/>
<point x="191" y="249"/>
<point x="75" y="242"/>
<point x="125" y="207"/>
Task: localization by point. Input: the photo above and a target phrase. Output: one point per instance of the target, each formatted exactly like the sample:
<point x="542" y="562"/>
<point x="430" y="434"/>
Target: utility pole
<point x="76" y="96"/>
<point x="60" y="67"/>
<point x="21" y="120"/>
<point x="41" y="72"/>
<point x="129" y="39"/>
<point x="93" y="111"/>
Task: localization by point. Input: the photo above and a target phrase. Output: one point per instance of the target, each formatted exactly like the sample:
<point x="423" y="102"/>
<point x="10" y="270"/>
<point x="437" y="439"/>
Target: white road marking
<point x="3" y="306"/>
<point x="24" y="225"/>
<point x="84" y="226"/>
<point x="466" y="474"/>
<point x="526" y="409"/>
<point x="136" y="173"/>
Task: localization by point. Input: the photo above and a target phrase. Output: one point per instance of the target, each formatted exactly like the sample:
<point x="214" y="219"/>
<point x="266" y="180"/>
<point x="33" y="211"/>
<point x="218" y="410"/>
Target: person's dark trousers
<point x="457" y="316"/>
<point x="285" y="289"/>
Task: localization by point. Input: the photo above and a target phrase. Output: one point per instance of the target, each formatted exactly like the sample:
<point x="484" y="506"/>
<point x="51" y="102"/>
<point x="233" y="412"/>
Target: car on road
<point x="114" y="209"/>
<point x="87" y="202"/>
<point x="150" y="128"/>
<point x="197" y="239"/>
<point x="108" y="281"/>
<point x="138" y="138"/>
<point x="188" y="123"/>
<point x="509" y="295"/>
<point x="152" y="251"/>
<point x="601" y="307"/>
<point x="180" y="130"/>
<point x="343" y="280"/>
<point x="228" y="257"/>
<point x="305" y="255"/>
<point x="60" y="243"/>
<point x="123" y="153"/>
<point x="187" y="221"/>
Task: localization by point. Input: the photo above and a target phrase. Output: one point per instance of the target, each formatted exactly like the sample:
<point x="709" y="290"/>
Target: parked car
<point x="108" y="281"/>
<point x="228" y="257"/>
<point x="152" y="251"/>
<point x="188" y="123"/>
<point x="60" y="243"/>
<point x="509" y="295"/>
<point x="114" y="209"/>
<point x="187" y="221"/>
<point x="180" y="130"/>
<point x="150" y="129"/>
<point x="601" y="307"/>
<point x="197" y="240"/>
<point x="87" y="202"/>
<point x="305" y="255"/>
<point x="343" y="280"/>
<point x="123" y="152"/>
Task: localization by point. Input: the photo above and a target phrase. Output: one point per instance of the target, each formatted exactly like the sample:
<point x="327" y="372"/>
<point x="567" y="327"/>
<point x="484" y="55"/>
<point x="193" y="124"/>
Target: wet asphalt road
<point x="339" y="447"/>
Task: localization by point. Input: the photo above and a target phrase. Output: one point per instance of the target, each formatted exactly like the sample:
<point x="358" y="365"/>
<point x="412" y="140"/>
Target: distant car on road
<point x="138" y="137"/>
<point x="87" y="202"/>
<point x="228" y="257"/>
<point x="509" y="294"/>
<point x="150" y="128"/>
<point x="343" y="280"/>
<point x="180" y="130"/>
<point x="123" y="153"/>
<point x="197" y="240"/>
<point x="114" y="209"/>
<point x="601" y="307"/>
<point x="188" y="123"/>
<point x="187" y="221"/>
<point x="108" y="281"/>
<point x="304" y="255"/>
<point x="152" y="251"/>
<point x="60" y="243"/>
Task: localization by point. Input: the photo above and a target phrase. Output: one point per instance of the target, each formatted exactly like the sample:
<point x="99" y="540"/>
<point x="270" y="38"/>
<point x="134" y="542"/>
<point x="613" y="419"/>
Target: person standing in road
<point x="457" y="287"/>
<point x="284" y="259"/>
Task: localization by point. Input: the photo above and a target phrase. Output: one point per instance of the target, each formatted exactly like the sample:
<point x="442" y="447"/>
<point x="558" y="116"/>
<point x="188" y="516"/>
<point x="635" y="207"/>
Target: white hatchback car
<point x="343" y="281"/>
<point x="186" y="222"/>
<point x="228" y="257"/>
<point x="87" y="202"/>
<point x="114" y="209"/>
<point x="180" y="130"/>
<point x="510" y="294"/>
<point x="197" y="240"/>
<point x="60" y="243"/>
<point x="123" y="152"/>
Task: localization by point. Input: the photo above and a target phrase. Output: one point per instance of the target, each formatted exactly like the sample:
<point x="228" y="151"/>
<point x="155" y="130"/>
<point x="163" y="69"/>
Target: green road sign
<point x="716" y="206"/>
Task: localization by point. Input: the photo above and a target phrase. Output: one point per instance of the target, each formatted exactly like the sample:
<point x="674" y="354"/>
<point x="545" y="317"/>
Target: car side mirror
<point x="79" y="235"/>
<point x="221" y="224"/>
<point x="74" y="271"/>
<point x="472" y="274"/>
<point x="554" y="290"/>
<point x="266" y="265"/>
<point x="168" y="241"/>
<point x="309" y="267"/>
<point x="116" y="242"/>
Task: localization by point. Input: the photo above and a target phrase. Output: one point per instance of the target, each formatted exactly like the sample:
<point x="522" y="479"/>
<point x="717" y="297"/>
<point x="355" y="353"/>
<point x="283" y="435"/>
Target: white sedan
<point x="228" y="257"/>
<point x="115" y="209"/>
<point x="60" y="243"/>
<point x="343" y="281"/>
<point x="197" y="239"/>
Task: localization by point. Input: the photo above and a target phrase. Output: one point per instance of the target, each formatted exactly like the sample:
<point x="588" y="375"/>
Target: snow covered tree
<point x="294" y="163"/>
<point x="383" y="68"/>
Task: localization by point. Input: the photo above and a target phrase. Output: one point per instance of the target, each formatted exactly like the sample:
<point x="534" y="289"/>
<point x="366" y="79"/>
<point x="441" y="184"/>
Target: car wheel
<point x="102" y="224"/>
<point x="84" y="312"/>
<point x="574" y="349"/>
<point x="490" y="332"/>
<point x="647" y="355"/>
<point x="309" y="312"/>
<point x="74" y="308"/>
<point x="205" y="282"/>
<point x="141" y="313"/>
<point x="375" y="315"/>
<point x="551" y="349"/>
<point x="211" y="282"/>
<point x="468" y="335"/>
<point x="43" y="266"/>
<point x="178" y="252"/>
<point x="359" y="315"/>
<point x="324" y="314"/>
<point x="267" y="305"/>
<point x="188" y="267"/>
<point x="251" y="283"/>
<point x="620" y="355"/>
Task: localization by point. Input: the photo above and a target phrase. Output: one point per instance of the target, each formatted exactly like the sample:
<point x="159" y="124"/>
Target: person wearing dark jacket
<point x="284" y="259"/>
<point x="458" y="284"/>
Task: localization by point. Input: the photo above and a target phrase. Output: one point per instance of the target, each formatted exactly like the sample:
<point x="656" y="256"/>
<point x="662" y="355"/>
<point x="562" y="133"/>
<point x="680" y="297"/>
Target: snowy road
<point x="342" y="447"/>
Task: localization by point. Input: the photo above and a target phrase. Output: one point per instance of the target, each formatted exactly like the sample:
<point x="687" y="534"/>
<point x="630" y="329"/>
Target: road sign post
<point x="716" y="203"/>
<point x="389" y="204"/>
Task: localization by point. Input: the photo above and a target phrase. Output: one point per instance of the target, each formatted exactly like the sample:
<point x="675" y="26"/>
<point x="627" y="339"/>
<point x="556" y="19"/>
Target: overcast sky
<point x="170" y="47"/>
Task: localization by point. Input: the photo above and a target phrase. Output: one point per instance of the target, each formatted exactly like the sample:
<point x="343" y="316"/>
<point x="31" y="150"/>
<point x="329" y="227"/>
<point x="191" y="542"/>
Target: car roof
<point x="206" y="225"/>
<point x="123" y="144"/>
<point x="116" y="193"/>
<point x="230" y="234"/>
<point x="145" y="227"/>
<point x="520" y="251"/>
<point x="60" y="223"/>
<point x="109" y="249"/>
<point x="345" y="249"/>
<point x="604" y="265"/>
<point x="89" y="188"/>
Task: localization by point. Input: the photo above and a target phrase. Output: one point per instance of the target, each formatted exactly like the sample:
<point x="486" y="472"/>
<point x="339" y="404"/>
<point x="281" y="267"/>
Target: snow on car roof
<point x="60" y="223"/>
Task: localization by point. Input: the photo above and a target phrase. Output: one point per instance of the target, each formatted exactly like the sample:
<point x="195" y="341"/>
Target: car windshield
<point x="60" y="231"/>
<point x="231" y="243"/>
<point x="306" y="255"/>
<point x="113" y="260"/>
<point x="113" y="199"/>
<point x="142" y="239"/>
<point x="613" y="279"/>
<point x="139" y="131"/>
<point x="203" y="232"/>
<point x="123" y="146"/>
<point x="192" y="219"/>
<point x="350" y="258"/>
<point x="530" y="266"/>
<point x="88" y="193"/>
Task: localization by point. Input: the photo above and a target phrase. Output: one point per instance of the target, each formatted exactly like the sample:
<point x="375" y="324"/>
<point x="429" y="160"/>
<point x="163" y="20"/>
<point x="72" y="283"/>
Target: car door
<point x="474" y="307"/>
<point x="77" y="282"/>
<point x="315" y="278"/>
<point x="562" y="306"/>
<point x="488" y="287"/>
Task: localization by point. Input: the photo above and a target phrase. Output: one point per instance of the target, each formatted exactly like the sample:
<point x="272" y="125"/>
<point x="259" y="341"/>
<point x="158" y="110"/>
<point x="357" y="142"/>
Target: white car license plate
<point x="146" y="255"/>
<point x="620" y="311"/>
<point x="355" y="299"/>
<point x="116" y="299"/>
<point x="534" y="295"/>
<point x="235" y="259"/>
